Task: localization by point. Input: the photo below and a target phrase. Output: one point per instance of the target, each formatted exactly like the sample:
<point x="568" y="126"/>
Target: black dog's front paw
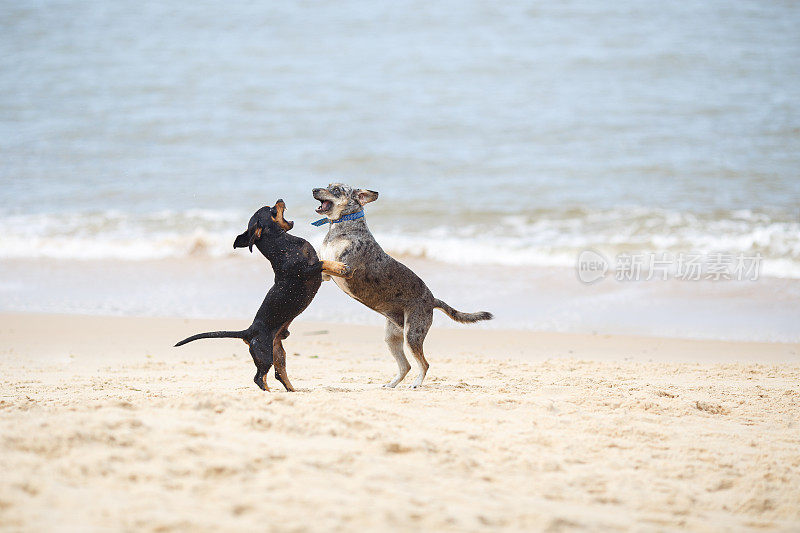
<point x="336" y="268"/>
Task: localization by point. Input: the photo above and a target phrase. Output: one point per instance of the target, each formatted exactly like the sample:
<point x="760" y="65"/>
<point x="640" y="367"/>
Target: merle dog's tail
<point x="458" y="316"/>
<point x="215" y="335"/>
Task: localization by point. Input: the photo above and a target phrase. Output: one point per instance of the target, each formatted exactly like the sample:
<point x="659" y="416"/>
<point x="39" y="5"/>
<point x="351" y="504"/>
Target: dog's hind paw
<point x="417" y="384"/>
<point x="261" y="381"/>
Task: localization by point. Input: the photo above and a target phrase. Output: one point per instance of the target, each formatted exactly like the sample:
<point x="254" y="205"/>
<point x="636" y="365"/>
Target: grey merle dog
<point x="379" y="281"/>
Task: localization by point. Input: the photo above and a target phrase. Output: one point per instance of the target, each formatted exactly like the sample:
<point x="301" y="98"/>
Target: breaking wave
<point x="543" y="237"/>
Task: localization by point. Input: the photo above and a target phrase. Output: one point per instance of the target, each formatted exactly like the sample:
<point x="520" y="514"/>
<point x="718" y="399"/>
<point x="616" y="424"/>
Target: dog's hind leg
<point x="417" y="324"/>
<point x="261" y="351"/>
<point x="279" y="355"/>
<point x="394" y="339"/>
<point x="280" y="365"/>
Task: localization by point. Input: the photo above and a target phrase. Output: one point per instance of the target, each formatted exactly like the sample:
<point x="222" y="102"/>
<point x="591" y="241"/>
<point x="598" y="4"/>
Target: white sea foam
<point x="544" y="238"/>
<point x="116" y="235"/>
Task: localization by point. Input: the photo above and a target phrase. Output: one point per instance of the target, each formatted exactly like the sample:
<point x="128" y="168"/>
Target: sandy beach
<point x="104" y="426"/>
<point x="616" y="182"/>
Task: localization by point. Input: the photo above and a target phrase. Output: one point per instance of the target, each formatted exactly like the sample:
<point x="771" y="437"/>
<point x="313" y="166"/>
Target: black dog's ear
<point x="248" y="238"/>
<point x="365" y="196"/>
<point x="241" y="240"/>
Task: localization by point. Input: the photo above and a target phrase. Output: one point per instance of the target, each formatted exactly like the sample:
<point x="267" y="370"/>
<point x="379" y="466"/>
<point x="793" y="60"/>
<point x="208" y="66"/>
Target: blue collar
<point x="351" y="216"/>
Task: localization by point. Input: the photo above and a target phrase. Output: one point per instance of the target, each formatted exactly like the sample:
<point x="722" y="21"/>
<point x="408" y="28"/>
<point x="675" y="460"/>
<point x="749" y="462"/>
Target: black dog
<point x="298" y="275"/>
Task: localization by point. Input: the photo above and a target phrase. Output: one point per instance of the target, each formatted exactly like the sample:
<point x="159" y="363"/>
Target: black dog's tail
<point x="215" y="335"/>
<point x="458" y="316"/>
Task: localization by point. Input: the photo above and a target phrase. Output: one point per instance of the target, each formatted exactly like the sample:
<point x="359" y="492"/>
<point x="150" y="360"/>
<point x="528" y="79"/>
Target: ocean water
<point x="499" y="135"/>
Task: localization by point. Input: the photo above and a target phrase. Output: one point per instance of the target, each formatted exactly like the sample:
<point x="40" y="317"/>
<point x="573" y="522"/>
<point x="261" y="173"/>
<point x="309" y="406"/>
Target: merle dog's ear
<point x="365" y="196"/>
<point x="248" y="238"/>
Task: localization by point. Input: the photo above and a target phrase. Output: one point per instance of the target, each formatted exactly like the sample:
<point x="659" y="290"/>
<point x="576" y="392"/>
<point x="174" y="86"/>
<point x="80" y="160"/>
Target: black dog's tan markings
<point x="379" y="281"/>
<point x="298" y="275"/>
<point x="335" y="268"/>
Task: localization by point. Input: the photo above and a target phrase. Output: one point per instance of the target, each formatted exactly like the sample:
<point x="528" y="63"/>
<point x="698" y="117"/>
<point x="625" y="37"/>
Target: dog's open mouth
<point x="325" y="206"/>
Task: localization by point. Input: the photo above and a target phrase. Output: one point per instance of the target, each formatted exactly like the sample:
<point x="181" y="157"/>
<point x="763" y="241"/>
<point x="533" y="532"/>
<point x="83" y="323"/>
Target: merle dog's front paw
<point x="347" y="272"/>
